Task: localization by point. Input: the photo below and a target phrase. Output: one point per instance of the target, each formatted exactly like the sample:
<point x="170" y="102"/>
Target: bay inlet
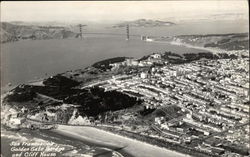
<point x="33" y="59"/>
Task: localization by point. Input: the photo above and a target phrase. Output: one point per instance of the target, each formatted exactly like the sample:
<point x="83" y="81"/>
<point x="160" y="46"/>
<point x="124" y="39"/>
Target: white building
<point x="143" y="75"/>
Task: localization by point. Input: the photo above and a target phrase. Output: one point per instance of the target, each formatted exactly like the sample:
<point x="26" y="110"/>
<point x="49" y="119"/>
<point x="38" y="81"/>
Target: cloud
<point x="115" y="10"/>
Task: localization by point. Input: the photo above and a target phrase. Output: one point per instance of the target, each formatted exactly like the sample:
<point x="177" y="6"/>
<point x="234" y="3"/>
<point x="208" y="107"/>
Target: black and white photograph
<point x="125" y="78"/>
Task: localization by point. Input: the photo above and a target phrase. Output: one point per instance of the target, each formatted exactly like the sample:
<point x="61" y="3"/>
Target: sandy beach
<point x="133" y="147"/>
<point x="213" y="50"/>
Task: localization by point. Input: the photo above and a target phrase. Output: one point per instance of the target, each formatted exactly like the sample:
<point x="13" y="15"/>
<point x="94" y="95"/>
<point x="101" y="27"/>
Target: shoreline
<point x="75" y="143"/>
<point x="215" y="51"/>
<point x="168" y="145"/>
<point x="132" y="146"/>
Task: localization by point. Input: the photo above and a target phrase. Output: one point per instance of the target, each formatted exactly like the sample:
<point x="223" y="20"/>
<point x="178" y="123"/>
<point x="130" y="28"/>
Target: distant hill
<point x="233" y="41"/>
<point x="13" y="32"/>
<point x="144" y="23"/>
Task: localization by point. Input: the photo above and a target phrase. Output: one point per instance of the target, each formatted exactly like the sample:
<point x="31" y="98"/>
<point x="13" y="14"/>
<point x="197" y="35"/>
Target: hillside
<point x="14" y="32"/>
<point x="144" y="23"/>
<point x="238" y="41"/>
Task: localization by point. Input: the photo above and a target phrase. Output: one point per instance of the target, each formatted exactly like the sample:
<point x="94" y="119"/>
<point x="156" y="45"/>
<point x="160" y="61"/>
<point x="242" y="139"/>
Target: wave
<point x="16" y="136"/>
<point x="112" y="152"/>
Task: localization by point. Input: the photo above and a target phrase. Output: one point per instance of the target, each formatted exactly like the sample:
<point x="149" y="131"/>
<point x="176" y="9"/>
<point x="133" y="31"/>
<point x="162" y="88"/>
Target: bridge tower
<point x="80" y="30"/>
<point x="127" y="28"/>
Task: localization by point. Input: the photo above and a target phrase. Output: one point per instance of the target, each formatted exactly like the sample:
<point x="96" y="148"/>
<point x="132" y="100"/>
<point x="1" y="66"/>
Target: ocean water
<point x="69" y="146"/>
<point x="28" y="60"/>
<point x="23" y="61"/>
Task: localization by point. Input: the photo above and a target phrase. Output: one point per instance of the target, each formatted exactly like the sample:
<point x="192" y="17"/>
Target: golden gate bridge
<point x="126" y="34"/>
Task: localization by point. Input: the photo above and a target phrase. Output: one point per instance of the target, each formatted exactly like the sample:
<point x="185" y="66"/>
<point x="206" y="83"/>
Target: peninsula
<point x="195" y="103"/>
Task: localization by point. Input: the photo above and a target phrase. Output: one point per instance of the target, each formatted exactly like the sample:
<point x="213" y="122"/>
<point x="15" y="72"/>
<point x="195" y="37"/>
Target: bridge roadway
<point x="118" y="34"/>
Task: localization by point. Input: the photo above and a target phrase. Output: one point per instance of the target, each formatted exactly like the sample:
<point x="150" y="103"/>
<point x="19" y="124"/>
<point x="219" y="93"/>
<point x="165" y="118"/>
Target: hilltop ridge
<point x="144" y="23"/>
<point x="13" y="32"/>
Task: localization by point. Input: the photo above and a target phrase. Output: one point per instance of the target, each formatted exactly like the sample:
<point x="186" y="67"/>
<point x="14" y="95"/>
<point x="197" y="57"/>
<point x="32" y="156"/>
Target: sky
<point x="117" y="10"/>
